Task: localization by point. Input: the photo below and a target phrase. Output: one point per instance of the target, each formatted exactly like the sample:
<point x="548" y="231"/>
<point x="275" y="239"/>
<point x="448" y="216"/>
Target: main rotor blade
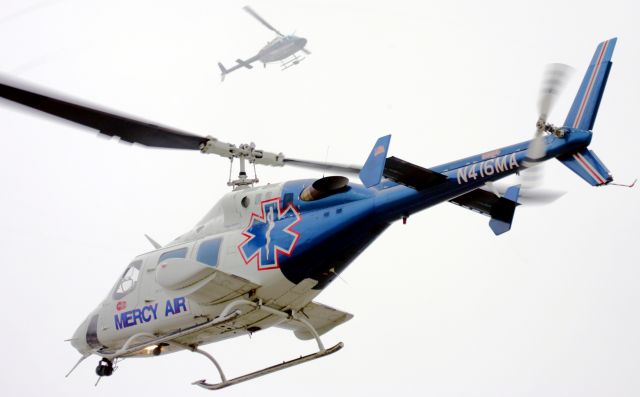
<point x="108" y="123"/>
<point x="259" y="18"/>
<point x="324" y="166"/>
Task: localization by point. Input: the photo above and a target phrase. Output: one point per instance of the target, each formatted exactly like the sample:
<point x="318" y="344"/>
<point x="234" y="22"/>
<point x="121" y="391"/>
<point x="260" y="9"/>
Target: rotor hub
<point x="542" y="126"/>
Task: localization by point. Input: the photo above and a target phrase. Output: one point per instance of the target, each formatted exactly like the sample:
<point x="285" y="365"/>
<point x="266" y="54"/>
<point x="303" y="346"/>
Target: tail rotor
<point x="223" y="71"/>
<point x="554" y="80"/>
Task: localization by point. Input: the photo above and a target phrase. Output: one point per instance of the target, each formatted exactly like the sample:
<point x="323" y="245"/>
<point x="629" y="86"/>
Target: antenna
<point x="326" y="160"/>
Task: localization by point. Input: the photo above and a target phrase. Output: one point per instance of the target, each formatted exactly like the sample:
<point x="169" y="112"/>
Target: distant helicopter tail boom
<point x="240" y="64"/>
<point x="243" y="64"/>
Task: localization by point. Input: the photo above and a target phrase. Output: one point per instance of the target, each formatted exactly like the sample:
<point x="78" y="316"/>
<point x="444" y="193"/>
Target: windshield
<point x="128" y="281"/>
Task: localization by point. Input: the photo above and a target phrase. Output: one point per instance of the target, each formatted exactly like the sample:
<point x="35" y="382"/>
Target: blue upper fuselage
<point x="336" y="229"/>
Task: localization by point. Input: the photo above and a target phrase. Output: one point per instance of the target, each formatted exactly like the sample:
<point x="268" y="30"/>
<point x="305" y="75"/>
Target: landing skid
<point x="291" y="61"/>
<point x="224" y="382"/>
<point x="230" y="382"/>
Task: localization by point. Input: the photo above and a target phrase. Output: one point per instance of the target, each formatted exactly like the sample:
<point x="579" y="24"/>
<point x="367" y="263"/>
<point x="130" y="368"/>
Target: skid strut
<point x="224" y="382"/>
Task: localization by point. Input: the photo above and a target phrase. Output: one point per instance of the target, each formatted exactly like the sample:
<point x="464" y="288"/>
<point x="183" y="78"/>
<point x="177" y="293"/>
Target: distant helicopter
<point x="261" y="255"/>
<point x="282" y="48"/>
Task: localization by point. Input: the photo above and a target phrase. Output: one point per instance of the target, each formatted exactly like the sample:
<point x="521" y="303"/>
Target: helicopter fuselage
<point x="276" y="237"/>
<point x="261" y="255"/>
<point x="281" y="48"/>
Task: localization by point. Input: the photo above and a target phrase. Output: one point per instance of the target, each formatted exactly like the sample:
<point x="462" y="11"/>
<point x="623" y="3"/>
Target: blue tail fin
<point x="502" y="211"/>
<point x="583" y="113"/>
<point x="585" y="106"/>
<point x="371" y="172"/>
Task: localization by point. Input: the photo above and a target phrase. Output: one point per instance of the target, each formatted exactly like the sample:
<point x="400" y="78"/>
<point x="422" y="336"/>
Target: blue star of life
<point x="270" y="234"/>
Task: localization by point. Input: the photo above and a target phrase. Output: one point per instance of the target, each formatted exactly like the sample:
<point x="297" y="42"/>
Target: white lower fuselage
<point x="146" y="307"/>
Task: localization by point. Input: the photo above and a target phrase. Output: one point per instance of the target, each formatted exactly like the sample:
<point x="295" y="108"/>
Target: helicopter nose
<point x="85" y="338"/>
<point x="79" y="341"/>
<point x="303" y="41"/>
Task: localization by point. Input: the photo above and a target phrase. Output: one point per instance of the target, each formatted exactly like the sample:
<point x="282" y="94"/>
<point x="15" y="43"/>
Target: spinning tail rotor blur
<point x="554" y="80"/>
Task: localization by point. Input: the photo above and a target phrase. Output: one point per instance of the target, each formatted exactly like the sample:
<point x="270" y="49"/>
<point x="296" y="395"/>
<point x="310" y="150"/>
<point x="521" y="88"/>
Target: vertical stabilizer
<point x="371" y="172"/>
<point x="583" y="113"/>
<point x="585" y="106"/>
<point x="223" y="71"/>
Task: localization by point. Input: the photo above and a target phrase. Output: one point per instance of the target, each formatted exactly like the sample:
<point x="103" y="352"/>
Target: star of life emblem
<point x="270" y="234"/>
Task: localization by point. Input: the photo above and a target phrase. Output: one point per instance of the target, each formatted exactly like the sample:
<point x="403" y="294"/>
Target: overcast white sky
<point x="442" y="306"/>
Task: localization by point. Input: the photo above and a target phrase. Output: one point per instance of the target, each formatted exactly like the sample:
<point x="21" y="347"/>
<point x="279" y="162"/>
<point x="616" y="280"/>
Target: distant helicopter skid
<point x="282" y="48"/>
<point x="291" y="61"/>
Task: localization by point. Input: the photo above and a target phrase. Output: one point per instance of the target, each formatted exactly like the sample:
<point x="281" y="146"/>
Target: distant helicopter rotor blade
<point x="106" y="122"/>
<point x="261" y="20"/>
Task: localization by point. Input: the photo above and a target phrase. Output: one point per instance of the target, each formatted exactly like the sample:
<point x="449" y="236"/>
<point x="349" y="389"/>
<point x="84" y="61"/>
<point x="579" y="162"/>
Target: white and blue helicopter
<point x="283" y="48"/>
<point x="261" y="255"/>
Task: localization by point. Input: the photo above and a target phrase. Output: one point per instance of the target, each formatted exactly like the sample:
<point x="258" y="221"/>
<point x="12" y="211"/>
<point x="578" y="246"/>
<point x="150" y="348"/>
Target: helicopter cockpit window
<point x="128" y="281"/>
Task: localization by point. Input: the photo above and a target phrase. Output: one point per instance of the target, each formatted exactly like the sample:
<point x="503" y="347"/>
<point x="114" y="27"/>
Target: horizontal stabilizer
<point x="587" y="166"/>
<point x="500" y="209"/>
<point x="245" y="64"/>
<point x="411" y="175"/>
<point x="478" y="200"/>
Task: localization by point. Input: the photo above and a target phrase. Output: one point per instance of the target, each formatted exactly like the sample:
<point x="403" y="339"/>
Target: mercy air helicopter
<point x="261" y="255"/>
<point x="282" y="48"/>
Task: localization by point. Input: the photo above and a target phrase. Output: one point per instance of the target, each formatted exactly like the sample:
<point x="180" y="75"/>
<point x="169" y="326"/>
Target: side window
<point x="208" y="252"/>
<point x="128" y="281"/>
<point x="179" y="253"/>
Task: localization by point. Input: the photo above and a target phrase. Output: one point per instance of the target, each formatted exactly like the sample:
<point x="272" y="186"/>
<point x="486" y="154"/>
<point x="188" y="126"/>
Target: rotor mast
<point x="244" y="152"/>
